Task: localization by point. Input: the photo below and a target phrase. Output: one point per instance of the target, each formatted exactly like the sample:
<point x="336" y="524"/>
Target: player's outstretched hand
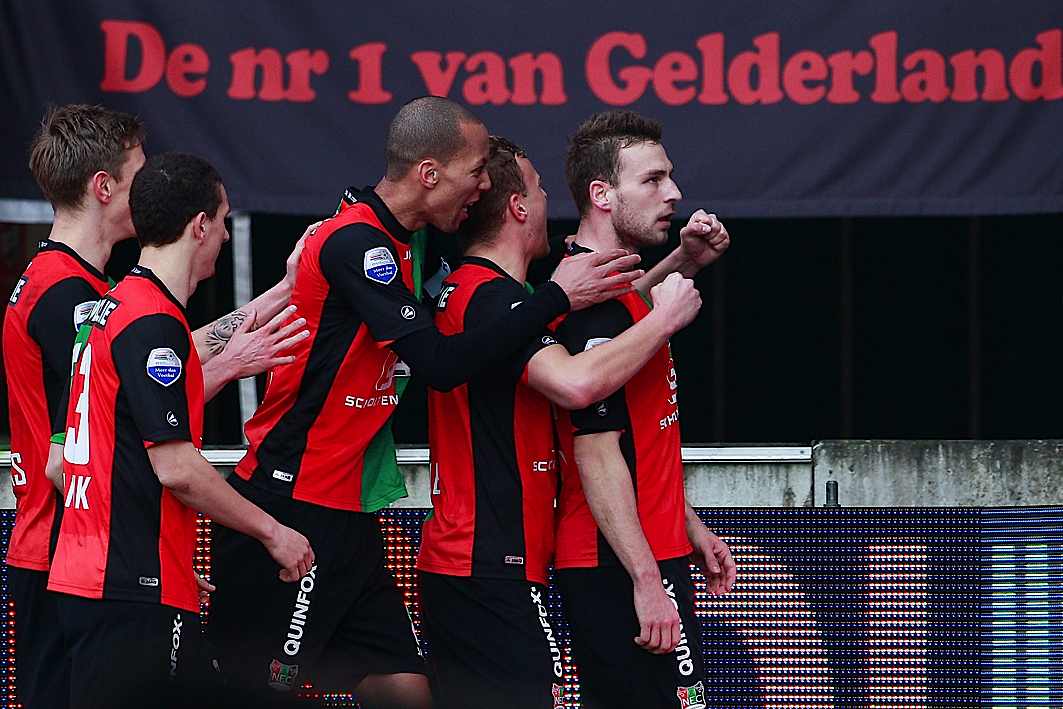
<point x="676" y="300"/>
<point x="291" y="551"/>
<point x="592" y="278"/>
<point x="713" y="557"/>
<point x="704" y="239"/>
<point x="658" y="619"/>
<point x="292" y="262"/>
<point x="256" y="350"/>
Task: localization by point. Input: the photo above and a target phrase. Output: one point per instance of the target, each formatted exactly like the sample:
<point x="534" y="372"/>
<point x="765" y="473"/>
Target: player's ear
<point x="601" y="194"/>
<point x="517" y="208"/>
<point x="199" y="226"/>
<point x="428" y="173"/>
<point x="101" y="185"/>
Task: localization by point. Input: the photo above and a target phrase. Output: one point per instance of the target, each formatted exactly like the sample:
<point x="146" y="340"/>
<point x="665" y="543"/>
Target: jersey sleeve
<point x="498" y="297"/>
<point x="361" y="264"/>
<point x="53" y="324"/>
<point x="586" y="329"/>
<point x="150" y="356"/>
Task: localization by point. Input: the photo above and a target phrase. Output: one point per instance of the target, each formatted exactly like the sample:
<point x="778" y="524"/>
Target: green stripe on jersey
<point x="382" y="481"/>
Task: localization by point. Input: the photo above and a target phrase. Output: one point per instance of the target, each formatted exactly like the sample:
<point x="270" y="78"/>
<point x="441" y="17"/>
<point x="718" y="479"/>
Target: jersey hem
<point x="374" y="505"/>
<point x="586" y="562"/>
<point x="467" y="573"/>
<point x="96" y="594"/>
<point x="24" y="563"/>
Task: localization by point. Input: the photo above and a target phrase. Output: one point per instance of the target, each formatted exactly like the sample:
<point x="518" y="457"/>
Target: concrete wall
<point x="869" y="474"/>
<point x="707" y="484"/>
<point x="940" y="473"/>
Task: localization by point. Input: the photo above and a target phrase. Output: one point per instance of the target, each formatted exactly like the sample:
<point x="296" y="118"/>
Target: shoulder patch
<point x="18" y="290"/>
<point x="379" y="265"/>
<point x="102" y="310"/>
<point x="82" y="312"/>
<point x="164" y="366"/>
<point x="595" y="341"/>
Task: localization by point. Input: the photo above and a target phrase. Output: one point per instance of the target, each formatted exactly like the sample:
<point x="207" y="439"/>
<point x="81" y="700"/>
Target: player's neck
<point x="596" y="232"/>
<point x="506" y="254"/>
<point x="84" y="232"/>
<point x="402" y="202"/>
<point x="171" y="266"/>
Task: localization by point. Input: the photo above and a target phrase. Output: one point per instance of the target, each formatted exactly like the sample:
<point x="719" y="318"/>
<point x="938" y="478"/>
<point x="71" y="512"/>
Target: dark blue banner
<point x="769" y="109"/>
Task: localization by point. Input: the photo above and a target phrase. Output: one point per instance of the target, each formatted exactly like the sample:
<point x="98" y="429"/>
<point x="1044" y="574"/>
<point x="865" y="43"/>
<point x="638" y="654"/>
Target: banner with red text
<point x="769" y="108"/>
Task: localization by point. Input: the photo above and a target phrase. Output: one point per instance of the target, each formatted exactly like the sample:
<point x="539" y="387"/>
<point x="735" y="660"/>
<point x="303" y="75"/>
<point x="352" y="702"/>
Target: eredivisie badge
<point x="379" y="265"/>
<point x="691" y="697"/>
<point x="164" y="366"/>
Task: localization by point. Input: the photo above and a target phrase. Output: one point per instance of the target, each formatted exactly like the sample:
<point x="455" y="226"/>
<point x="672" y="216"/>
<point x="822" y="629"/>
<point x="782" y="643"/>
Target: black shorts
<point x="42" y="668"/>
<point x="489" y="643"/>
<point x="614" y="671"/>
<point x="341" y="622"/>
<point x="126" y="654"/>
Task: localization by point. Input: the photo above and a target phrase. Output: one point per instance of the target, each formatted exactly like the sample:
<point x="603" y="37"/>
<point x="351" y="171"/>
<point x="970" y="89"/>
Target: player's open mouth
<point x="465" y="210"/>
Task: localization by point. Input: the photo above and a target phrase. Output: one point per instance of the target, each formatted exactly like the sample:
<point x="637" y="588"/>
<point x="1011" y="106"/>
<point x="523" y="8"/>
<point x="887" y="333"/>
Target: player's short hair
<point x="168" y="192"/>
<point x="75" y="142"/>
<point x="426" y="127"/>
<point x="594" y="150"/>
<point x="486" y="215"/>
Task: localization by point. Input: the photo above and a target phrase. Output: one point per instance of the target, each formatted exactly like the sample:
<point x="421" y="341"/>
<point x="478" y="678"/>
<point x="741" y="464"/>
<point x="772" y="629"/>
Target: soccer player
<point x="625" y="530"/>
<point x="313" y="457"/>
<point x="128" y="602"/>
<point x="486" y="546"/>
<point x="84" y="159"/>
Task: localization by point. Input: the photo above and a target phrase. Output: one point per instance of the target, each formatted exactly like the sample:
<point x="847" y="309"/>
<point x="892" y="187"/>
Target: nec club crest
<point x="164" y="366"/>
<point x="282" y="676"/>
<point x="691" y="697"/>
<point x="558" y="693"/>
<point x="379" y="265"/>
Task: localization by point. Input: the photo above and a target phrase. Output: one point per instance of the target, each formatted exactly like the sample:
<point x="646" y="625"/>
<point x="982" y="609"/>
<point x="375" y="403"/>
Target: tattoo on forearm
<point x="222" y="329"/>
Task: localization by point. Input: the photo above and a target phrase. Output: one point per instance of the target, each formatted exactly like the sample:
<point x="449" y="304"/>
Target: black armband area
<point x="449" y="361"/>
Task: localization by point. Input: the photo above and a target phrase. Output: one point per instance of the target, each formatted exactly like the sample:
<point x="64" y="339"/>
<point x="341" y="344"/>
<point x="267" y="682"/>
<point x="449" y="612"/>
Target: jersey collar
<point x="139" y="271"/>
<point x="383" y="213"/>
<point x="574" y="248"/>
<point x="488" y="264"/>
<point x="49" y="245"/>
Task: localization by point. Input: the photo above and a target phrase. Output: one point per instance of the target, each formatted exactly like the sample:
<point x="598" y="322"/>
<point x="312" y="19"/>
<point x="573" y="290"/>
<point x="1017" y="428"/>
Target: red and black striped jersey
<point x="309" y="438"/>
<point x="137" y="383"/>
<point x="53" y="297"/>
<point x="646" y="412"/>
<point x="493" y="449"/>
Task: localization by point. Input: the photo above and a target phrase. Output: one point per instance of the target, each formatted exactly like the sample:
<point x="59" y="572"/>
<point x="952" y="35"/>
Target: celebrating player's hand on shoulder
<point x="676" y="300"/>
<point x="292" y="262"/>
<point x="592" y="278"/>
<point x="704" y="239"/>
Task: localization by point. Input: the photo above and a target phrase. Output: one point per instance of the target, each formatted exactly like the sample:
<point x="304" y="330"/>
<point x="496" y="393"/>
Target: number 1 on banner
<point x="76" y="448"/>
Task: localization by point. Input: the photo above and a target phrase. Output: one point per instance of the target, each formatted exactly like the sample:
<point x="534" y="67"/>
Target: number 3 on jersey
<point x="76" y="448"/>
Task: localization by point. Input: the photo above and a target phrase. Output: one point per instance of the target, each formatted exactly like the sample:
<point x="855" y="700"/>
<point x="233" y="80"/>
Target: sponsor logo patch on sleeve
<point x="18" y="291"/>
<point x="82" y="312"/>
<point x="595" y="341"/>
<point x="164" y="366"/>
<point x="379" y="265"/>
